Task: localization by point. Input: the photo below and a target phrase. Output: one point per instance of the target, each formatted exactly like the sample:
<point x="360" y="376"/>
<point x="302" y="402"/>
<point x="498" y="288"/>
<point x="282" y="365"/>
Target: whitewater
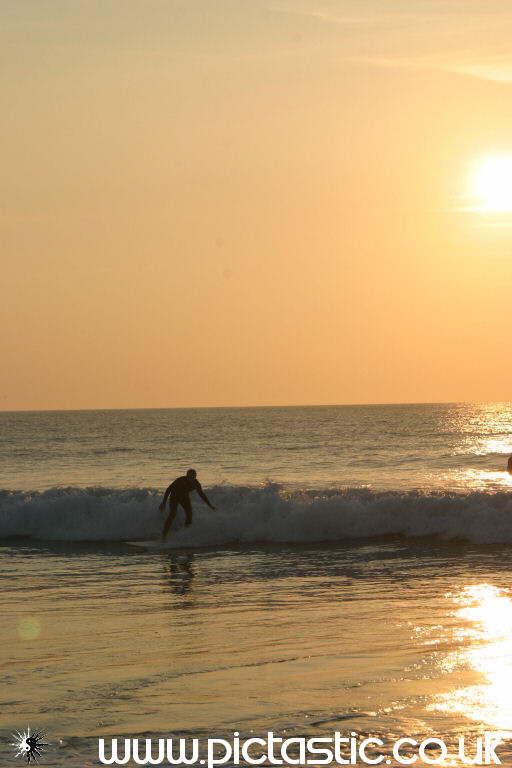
<point x="257" y="515"/>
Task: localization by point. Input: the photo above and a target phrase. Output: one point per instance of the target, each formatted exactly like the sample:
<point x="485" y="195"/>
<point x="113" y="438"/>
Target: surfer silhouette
<point x="509" y="465"/>
<point x="178" y="493"/>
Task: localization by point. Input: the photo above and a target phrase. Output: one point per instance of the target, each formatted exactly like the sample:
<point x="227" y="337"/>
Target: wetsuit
<point x="178" y="493"/>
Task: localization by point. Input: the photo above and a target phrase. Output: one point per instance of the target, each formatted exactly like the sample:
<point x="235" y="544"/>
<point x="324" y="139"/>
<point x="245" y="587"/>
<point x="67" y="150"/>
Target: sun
<point x="492" y="183"/>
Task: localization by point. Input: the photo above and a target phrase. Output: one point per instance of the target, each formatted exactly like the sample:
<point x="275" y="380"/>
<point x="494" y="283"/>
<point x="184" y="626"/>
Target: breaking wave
<point x="252" y="515"/>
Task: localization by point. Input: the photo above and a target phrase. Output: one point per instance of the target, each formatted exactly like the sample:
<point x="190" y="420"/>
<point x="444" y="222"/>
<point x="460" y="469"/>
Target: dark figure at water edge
<point x="178" y="493"/>
<point x="509" y="465"/>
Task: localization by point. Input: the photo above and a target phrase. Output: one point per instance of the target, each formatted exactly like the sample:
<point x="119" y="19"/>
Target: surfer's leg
<point x="187" y="506"/>
<point x="173" y="504"/>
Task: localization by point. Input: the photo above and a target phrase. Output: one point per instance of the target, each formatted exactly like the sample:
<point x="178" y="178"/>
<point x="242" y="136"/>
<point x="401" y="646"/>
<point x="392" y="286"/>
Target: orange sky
<point x="248" y="203"/>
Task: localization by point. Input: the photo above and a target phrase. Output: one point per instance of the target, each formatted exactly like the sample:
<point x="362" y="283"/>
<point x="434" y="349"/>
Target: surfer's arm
<point x="203" y="495"/>
<point x="164" y="500"/>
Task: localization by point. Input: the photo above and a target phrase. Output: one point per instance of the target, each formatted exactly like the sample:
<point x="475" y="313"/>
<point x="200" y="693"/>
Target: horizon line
<point x="240" y="407"/>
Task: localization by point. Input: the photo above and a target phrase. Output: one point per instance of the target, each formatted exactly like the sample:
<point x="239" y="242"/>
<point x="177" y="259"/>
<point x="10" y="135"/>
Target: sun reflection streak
<point x="481" y="479"/>
<point x="483" y="446"/>
<point x="488" y="611"/>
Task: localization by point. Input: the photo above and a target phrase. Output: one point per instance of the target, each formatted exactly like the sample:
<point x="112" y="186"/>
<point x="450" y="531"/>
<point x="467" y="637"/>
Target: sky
<point x="227" y="203"/>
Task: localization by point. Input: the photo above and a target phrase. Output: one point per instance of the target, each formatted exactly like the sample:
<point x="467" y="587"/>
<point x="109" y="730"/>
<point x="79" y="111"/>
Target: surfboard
<point x="149" y="544"/>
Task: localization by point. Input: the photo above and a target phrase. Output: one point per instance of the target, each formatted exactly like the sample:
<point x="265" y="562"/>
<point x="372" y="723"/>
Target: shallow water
<point x="389" y="639"/>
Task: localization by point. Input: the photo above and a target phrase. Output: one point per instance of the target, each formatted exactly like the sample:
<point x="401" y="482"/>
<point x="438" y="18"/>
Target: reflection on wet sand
<point x="486" y="611"/>
<point x="179" y="572"/>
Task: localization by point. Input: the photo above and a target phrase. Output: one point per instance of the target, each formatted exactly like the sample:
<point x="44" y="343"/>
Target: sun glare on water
<point x="486" y="611"/>
<point x="492" y="183"/>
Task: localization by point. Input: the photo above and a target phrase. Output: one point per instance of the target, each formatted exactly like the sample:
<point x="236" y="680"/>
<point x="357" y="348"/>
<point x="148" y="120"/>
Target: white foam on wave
<point x="251" y="515"/>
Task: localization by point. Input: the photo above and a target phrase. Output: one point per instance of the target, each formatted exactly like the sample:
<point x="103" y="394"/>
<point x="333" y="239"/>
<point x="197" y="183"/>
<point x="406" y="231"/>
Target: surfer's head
<point x="191" y="474"/>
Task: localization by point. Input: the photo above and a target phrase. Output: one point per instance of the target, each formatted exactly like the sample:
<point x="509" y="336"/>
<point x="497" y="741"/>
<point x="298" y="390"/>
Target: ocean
<point x="355" y="575"/>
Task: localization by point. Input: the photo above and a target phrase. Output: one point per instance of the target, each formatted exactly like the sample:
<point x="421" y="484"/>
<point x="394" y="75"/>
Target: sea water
<point x="355" y="575"/>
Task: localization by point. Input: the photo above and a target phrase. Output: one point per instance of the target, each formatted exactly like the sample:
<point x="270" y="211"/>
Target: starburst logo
<point x="29" y="745"/>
